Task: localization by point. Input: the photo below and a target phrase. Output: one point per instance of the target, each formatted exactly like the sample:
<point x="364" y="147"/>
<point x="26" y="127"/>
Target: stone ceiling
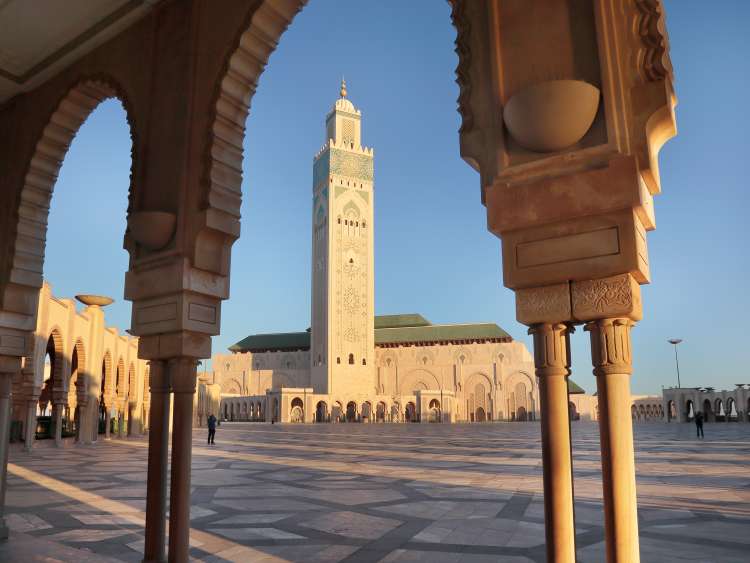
<point x="39" y="38"/>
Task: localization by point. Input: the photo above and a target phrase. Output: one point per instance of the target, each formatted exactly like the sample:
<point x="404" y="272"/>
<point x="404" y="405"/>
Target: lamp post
<point x="675" y="342"/>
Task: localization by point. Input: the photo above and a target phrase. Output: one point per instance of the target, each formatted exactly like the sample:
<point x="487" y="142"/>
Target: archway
<point x="380" y="412"/>
<point x="297" y="412"/>
<point x="708" y="413"/>
<point x="366" y="411"/>
<point x="51" y="398"/>
<point x="731" y="410"/>
<point x="634" y="413"/>
<point x="410" y="415"/>
<point x="351" y="411"/>
<point x="481" y="416"/>
<point x="321" y="412"/>
<point x="719" y="413"/>
<point x="689" y="410"/>
<point x="435" y="411"/>
<point x="671" y="411"/>
<point x="573" y="411"/>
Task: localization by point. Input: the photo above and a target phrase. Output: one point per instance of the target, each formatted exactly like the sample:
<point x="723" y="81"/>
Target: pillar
<point x="5" y="408"/>
<point x="158" y="445"/>
<point x="29" y="428"/>
<point x="612" y="360"/>
<point x="183" y="372"/>
<point x="107" y="423"/>
<point x="57" y="410"/>
<point x="552" y="363"/>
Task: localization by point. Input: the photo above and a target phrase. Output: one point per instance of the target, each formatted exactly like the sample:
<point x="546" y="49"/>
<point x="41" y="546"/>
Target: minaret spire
<point x="343" y="87"/>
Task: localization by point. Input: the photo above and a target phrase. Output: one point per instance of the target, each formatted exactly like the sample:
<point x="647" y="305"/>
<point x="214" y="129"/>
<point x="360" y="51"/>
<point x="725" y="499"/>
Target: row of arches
<point x="646" y="412"/>
<point x="716" y="410"/>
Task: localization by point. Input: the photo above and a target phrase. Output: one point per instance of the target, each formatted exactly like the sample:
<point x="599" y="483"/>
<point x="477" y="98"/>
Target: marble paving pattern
<point x="394" y="493"/>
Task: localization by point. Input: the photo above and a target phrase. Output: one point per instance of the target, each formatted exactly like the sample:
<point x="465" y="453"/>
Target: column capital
<point x="610" y="345"/>
<point x="551" y="348"/>
<point x="183" y="374"/>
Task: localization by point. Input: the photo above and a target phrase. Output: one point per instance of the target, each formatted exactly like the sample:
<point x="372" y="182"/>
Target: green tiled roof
<point x="278" y="341"/>
<point x="574" y="388"/>
<point x="389" y="330"/>
<point x="400" y="321"/>
<point x="439" y="333"/>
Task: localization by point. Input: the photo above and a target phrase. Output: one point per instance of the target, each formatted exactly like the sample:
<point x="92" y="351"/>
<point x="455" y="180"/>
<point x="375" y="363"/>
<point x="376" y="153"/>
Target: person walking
<point x="699" y="424"/>
<point x="211" y="428"/>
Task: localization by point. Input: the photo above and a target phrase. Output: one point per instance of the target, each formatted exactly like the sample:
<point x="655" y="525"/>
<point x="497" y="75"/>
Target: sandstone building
<point x="350" y="364"/>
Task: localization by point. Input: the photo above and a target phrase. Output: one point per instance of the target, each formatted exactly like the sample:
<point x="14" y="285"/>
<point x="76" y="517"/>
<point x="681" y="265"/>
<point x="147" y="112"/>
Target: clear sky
<point x="433" y="252"/>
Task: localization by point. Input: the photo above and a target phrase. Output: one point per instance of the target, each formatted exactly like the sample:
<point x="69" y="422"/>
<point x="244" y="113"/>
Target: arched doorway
<point x="731" y="410"/>
<point x="321" y="412"/>
<point x="380" y="412"/>
<point x="708" y="414"/>
<point x="689" y="410"/>
<point x="297" y="412"/>
<point x="719" y="413"/>
<point x="410" y="415"/>
<point x="366" y="411"/>
<point x="481" y="416"/>
<point x="573" y="411"/>
<point x="435" y="411"/>
<point x="351" y="411"/>
<point x="671" y="411"/>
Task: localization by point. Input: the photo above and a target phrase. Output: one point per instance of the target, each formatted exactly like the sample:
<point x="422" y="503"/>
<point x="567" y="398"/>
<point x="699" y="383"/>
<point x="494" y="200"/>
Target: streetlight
<point x="676" y="341"/>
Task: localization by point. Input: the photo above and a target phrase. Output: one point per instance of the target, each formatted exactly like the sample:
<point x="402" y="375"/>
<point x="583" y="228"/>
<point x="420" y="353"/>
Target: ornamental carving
<point x="606" y="297"/>
<point x="653" y="58"/>
<point x="351" y="300"/>
<point x="463" y="30"/>
<point x="550" y="303"/>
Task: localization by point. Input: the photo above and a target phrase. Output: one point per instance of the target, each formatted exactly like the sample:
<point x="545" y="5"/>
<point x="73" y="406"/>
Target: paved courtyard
<point x="392" y="493"/>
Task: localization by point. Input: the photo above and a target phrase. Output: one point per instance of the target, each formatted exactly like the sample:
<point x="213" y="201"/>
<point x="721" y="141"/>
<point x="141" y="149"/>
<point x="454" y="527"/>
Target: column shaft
<point x="158" y="446"/>
<point x="57" y="413"/>
<point x="183" y="376"/>
<point x="30" y="426"/>
<point x="5" y="408"/>
<point x="552" y="362"/>
<point x="107" y="423"/>
<point x="612" y="359"/>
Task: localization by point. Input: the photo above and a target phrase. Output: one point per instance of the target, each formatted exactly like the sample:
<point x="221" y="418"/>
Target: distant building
<point x="682" y="403"/>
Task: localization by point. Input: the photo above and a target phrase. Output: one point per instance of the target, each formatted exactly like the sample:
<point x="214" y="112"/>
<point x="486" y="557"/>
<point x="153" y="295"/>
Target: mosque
<point x="351" y="365"/>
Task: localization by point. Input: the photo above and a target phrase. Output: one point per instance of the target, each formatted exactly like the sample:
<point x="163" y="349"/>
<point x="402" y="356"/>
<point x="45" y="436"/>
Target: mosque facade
<point x="352" y="365"/>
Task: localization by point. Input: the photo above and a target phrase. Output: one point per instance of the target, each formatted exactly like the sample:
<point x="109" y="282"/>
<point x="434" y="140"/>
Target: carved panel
<point x="616" y="296"/>
<point x="550" y="303"/>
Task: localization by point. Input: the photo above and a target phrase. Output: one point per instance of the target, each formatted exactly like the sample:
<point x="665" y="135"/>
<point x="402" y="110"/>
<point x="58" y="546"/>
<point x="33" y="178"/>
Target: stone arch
<point x="53" y="387"/>
<point x="730" y="406"/>
<point x="477" y="389"/>
<point x="464" y="353"/>
<point x="231" y="386"/>
<point x="78" y="375"/>
<point x="132" y="389"/>
<point x="120" y="380"/>
<point x="74" y="107"/>
<point x="718" y="409"/>
<point x="708" y="412"/>
<point x="107" y="380"/>
<point x="418" y="379"/>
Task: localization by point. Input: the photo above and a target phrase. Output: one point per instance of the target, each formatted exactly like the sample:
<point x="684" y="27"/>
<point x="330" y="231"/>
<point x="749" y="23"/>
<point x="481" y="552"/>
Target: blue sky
<point x="433" y="252"/>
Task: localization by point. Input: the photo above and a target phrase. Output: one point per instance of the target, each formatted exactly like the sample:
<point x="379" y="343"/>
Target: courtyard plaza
<point x="374" y="492"/>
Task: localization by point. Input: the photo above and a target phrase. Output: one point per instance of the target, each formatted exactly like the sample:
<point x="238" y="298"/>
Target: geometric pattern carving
<point x="616" y="296"/>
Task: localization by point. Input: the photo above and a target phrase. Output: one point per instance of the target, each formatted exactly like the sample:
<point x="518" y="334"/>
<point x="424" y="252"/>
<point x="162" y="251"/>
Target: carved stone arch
<point x="351" y="211"/>
<point x="465" y="353"/>
<point x="236" y="84"/>
<point x="120" y="380"/>
<point x="516" y="376"/>
<point x="54" y="389"/>
<point x="477" y="377"/>
<point x="419" y="378"/>
<point x="424" y="357"/>
<point x="231" y="386"/>
<point x="132" y="388"/>
<point x="106" y="384"/>
<point x="388" y="359"/>
<point x="79" y="373"/>
<point x="79" y="101"/>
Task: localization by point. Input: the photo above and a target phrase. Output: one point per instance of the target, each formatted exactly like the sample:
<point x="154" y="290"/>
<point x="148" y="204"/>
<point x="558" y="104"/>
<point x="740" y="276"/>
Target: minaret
<point x="342" y="349"/>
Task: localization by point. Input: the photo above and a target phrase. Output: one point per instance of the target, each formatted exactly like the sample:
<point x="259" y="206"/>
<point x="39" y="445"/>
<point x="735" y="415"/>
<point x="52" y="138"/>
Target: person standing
<point x="699" y="424"/>
<point x="211" y="428"/>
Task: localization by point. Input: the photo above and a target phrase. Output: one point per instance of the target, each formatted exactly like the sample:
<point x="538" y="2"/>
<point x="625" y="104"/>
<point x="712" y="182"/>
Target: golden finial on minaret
<point x="343" y="87"/>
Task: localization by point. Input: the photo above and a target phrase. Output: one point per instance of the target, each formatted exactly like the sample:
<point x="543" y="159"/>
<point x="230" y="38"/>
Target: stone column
<point x="183" y="372"/>
<point x="29" y="429"/>
<point x="57" y="410"/>
<point x="158" y="446"/>
<point x="611" y="357"/>
<point x="552" y="362"/>
<point x="5" y="407"/>
<point x="107" y="422"/>
<point x="610" y="306"/>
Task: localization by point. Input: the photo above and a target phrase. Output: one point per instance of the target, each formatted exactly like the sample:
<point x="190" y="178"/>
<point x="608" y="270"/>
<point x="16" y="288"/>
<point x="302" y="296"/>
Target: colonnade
<point x="572" y="207"/>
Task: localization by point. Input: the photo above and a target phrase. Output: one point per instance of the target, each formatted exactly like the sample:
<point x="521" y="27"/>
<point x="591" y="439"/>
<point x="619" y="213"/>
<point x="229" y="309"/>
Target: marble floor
<point x="391" y="493"/>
